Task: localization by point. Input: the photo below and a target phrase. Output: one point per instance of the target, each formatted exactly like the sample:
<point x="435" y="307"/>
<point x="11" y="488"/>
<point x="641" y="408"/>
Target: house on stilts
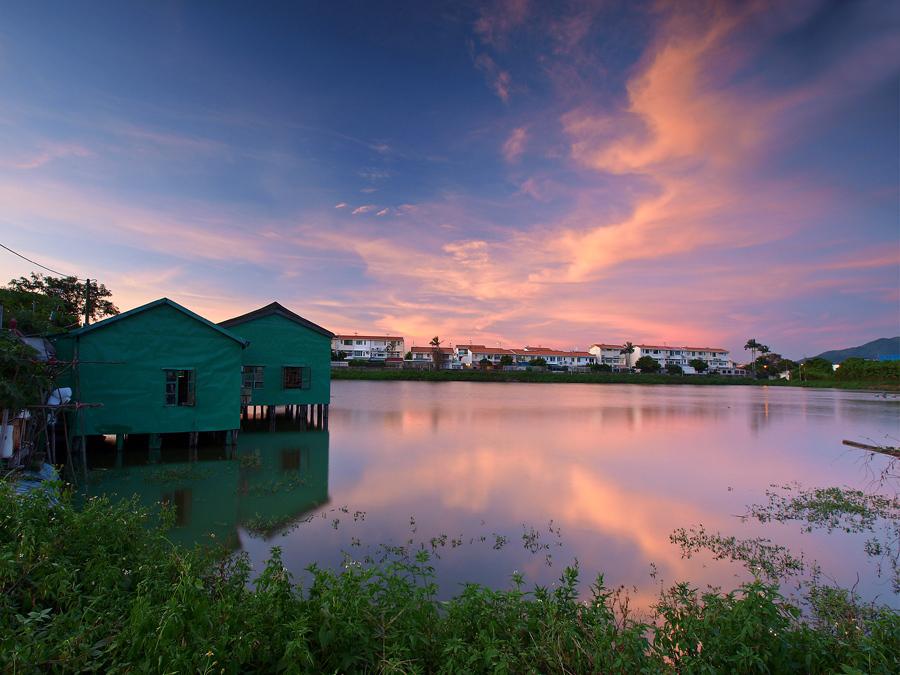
<point x="156" y="369"/>
<point x="287" y="364"/>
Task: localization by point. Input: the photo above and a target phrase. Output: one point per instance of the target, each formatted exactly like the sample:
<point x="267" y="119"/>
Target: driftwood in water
<point x="884" y="450"/>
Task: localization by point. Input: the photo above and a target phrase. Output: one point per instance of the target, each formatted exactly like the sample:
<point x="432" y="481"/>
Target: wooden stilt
<point x="271" y="415"/>
<point x="326" y="417"/>
<point x="120" y="446"/>
<point x="155" y="448"/>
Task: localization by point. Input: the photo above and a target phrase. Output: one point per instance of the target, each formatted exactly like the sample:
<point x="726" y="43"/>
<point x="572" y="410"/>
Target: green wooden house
<point x="288" y="361"/>
<point x="155" y="369"/>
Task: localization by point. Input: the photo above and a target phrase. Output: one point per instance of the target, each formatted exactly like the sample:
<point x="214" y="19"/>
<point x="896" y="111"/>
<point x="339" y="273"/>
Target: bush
<point x="868" y="371"/>
<point x="601" y="368"/>
<point x="674" y="369"/>
<point x="100" y="588"/>
<point x="647" y="364"/>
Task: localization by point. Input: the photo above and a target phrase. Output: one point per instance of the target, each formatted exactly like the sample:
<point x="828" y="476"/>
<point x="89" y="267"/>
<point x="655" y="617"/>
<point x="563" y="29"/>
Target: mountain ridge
<point x="870" y="350"/>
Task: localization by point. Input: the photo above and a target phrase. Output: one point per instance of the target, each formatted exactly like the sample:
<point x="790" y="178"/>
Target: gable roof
<point x="277" y="309"/>
<point x="151" y="305"/>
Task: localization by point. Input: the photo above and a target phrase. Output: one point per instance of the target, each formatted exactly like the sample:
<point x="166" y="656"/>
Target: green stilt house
<point x="288" y="363"/>
<point x="156" y="369"/>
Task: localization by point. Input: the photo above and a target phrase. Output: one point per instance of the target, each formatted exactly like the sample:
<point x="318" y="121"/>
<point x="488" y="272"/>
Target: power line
<point x="34" y="262"/>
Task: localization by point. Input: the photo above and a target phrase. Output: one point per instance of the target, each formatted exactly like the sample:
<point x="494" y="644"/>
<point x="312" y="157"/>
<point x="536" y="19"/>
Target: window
<point x="348" y="342"/>
<point x="295" y="377"/>
<point x="253" y="377"/>
<point x="359" y="342"/>
<point x="179" y="387"/>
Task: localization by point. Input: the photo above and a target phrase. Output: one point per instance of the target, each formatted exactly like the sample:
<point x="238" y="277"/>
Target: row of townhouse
<point x="474" y="356"/>
<point x="716" y="358"/>
<point x="392" y="347"/>
<point x="370" y="347"/>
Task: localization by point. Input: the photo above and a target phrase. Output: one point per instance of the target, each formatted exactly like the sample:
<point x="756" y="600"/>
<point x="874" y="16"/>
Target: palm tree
<point x="627" y="350"/>
<point x="437" y="356"/>
<point x="753" y="346"/>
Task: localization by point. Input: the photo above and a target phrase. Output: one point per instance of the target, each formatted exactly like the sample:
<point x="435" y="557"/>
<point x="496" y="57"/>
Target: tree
<point x="506" y="360"/>
<point x="699" y="365"/>
<point x="339" y="355"/>
<point x="437" y="354"/>
<point x="753" y="346"/>
<point x="408" y="356"/>
<point x="674" y="369"/>
<point x="72" y="296"/>
<point x="601" y="368"/>
<point x="647" y="364"/>
<point x="538" y="362"/>
<point x="627" y="350"/>
<point x="485" y="363"/>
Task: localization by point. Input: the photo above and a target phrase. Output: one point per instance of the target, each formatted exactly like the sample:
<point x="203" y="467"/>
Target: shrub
<point x="100" y="588"/>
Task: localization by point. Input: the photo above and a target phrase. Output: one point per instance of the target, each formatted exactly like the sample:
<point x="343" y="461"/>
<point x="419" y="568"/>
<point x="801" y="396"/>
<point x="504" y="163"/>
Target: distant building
<point x="423" y="357"/>
<point x="471" y="356"/>
<point x="370" y="347"/>
<point x="716" y="358"/>
<point x="610" y="355"/>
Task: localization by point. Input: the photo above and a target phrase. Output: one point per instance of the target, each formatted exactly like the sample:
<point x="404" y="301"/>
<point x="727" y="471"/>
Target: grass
<point x="100" y="588"/>
<point x="587" y="378"/>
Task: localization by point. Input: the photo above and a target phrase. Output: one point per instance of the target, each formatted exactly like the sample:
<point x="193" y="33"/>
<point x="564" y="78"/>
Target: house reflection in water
<point x="272" y="481"/>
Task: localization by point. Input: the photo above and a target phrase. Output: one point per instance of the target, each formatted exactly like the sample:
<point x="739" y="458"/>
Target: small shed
<point x="156" y="369"/>
<point x="288" y="362"/>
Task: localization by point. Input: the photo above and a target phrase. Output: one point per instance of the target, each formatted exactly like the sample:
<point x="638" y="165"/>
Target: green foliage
<point x="674" y="369"/>
<point x="338" y="355"/>
<point x="23" y="379"/>
<point x="506" y="360"/>
<point x="699" y="365"/>
<point x="815" y="369"/>
<point x="601" y="368"/>
<point x="70" y="293"/>
<point x="538" y="362"/>
<point x="647" y="364"/>
<point x="35" y="314"/>
<point x="855" y="369"/>
<point x="100" y="588"/>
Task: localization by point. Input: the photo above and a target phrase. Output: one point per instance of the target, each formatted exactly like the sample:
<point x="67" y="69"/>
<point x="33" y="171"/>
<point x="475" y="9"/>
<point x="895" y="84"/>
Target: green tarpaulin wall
<point x="122" y="363"/>
<point x="279" y="338"/>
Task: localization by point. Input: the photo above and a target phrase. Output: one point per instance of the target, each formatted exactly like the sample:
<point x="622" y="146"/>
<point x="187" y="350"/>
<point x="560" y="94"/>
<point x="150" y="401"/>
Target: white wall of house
<point x="369" y="346"/>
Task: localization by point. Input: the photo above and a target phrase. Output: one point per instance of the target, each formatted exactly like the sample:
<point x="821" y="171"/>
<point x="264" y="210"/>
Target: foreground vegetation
<point x="99" y="587"/>
<point x="594" y="378"/>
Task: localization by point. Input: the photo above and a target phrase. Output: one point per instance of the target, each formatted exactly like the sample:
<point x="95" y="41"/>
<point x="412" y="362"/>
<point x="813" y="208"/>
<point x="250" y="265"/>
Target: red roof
<point x="603" y="346"/>
<point x="690" y="349"/>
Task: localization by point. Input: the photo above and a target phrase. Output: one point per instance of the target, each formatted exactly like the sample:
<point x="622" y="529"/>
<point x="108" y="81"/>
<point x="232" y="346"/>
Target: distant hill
<point x="871" y="350"/>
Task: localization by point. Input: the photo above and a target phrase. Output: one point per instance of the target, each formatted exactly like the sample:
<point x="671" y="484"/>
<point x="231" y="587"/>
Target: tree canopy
<point x="647" y="364"/>
<point x="66" y="297"/>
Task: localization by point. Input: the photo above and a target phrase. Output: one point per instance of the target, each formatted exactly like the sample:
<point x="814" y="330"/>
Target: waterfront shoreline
<point x="408" y="375"/>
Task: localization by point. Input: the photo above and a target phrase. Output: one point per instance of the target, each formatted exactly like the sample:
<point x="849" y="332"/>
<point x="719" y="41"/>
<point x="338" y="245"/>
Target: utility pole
<point x="87" y="301"/>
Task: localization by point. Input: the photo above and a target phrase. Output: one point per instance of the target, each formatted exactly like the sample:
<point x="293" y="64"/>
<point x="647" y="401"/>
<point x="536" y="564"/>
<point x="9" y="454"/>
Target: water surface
<point x="496" y="478"/>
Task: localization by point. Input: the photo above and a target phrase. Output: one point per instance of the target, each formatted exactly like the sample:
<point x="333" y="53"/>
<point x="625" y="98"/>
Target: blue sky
<point x="510" y="172"/>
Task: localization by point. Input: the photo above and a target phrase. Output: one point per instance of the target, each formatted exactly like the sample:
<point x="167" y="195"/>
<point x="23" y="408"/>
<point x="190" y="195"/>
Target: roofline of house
<point x="277" y="309"/>
<point x="150" y="305"/>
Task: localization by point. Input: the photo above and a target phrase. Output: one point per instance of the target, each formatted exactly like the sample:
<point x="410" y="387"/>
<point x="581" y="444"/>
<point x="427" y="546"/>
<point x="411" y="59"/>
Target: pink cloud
<point x="359" y="210"/>
<point x="515" y="144"/>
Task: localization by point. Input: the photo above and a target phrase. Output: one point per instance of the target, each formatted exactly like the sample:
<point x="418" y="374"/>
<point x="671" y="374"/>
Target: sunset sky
<point x="556" y="173"/>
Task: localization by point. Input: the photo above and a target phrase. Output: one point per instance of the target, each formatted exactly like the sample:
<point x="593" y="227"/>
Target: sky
<point x="511" y="172"/>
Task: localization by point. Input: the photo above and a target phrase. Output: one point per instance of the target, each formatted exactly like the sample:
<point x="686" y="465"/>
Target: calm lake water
<point x="496" y="478"/>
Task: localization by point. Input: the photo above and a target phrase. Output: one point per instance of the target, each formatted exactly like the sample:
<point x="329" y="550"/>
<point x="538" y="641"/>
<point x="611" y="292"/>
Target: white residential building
<point x="370" y="347"/>
<point x="610" y="355"/>
<point x="423" y="357"/>
<point x="471" y="356"/>
<point x="715" y="357"/>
